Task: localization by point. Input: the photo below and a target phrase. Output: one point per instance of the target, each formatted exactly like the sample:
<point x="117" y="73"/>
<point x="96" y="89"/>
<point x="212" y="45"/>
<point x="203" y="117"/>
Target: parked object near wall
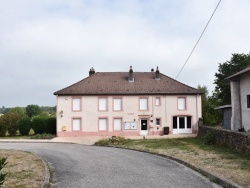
<point x="237" y="141"/>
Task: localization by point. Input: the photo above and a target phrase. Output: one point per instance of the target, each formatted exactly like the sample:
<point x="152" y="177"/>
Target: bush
<point x="3" y="127"/>
<point x="50" y="125"/>
<point x="2" y="175"/>
<point x="11" y="122"/>
<point x="25" y="125"/>
<point x="209" y="138"/>
<point x="38" y="124"/>
<point x="102" y="142"/>
<point x="43" y="136"/>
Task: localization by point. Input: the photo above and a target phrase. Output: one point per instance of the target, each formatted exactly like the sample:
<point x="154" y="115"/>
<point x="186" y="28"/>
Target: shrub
<point x="2" y="175"/>
<point x="25" y="125"/>
<point x="43" y="136"/>
<point x="50" y="125"/>
<point x="3" y="127"/>
<point x="11" y="122"/>
<point x="102" y="142"/>
<point x="38" y="124"/>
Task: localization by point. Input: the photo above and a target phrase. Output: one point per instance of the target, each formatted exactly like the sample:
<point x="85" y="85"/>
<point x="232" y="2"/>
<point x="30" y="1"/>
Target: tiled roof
<point x="116" y="83"/>
<point x="239" y="73"/>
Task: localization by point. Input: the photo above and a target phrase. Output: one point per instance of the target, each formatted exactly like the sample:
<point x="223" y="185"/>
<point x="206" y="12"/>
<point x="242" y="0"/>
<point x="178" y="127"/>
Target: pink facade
<point x="132" y="118"/>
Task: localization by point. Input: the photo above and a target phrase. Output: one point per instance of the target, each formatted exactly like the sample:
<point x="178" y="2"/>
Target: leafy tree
<point x="33" y="110"/>
<point x="237" y="63"/>
<point x="3" y="128"/>
<point x="25" y="125"/>
<point x="209" y="114"/>
<point x="39" y="124"/>
<point x="18" y="110"/>
<point x="11" y="122"/>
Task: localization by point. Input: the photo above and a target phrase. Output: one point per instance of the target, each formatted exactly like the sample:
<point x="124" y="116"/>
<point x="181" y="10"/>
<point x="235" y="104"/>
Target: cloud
<point x="47" y="45"/>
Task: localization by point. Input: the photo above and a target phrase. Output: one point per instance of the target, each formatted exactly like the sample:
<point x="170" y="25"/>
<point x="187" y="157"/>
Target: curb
<point x="212" y="177"/>
<point x="46" y="182"/>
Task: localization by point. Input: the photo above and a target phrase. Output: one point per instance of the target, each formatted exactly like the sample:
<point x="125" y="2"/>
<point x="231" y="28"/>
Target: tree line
<point x="20" y="121"/>
<point x="222" y="94"/>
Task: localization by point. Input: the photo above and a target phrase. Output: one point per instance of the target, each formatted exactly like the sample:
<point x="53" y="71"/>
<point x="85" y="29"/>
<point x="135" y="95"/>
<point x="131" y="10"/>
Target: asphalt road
<point x="91" y="166"/>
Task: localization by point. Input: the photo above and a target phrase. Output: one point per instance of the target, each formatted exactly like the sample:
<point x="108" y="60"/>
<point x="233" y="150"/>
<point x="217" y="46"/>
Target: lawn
<point x="224" y="162"/>
<point x="24" y="169"/>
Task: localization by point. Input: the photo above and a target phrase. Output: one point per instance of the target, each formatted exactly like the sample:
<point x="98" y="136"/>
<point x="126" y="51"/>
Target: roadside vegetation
<point x="197" y="151"/>
<point x="23" y="169"/>
<point x="19" y="122"/>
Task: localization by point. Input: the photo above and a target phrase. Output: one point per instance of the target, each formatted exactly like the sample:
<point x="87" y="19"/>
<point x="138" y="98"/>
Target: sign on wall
<point x="130" y="125"/>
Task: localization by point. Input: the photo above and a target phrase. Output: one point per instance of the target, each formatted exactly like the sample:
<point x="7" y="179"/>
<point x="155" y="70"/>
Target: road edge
<point x="212" y="177"/>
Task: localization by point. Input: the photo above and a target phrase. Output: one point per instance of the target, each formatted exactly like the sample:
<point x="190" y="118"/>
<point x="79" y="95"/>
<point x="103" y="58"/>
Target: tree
<point x="3" y="128"/>
<point x="33" y="110"/>
<point x="25" y="125"/>
<point x="11" y="121"/>
<point x="209" y="114"/>
<point x="237" y="63"/>
<point x="17" y="110"/>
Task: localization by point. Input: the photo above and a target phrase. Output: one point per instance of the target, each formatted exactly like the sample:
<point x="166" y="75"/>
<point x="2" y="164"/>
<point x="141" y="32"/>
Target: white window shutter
<point x="117" y="124"/>
<point x="143" y="104"/>
<point x="77" y="124"/>
<point x="117" y="104"/>
<point x="103" y="124"/>
<point x="181" y="103"/>
<point x="76" y="104"/>
<point x="102" y="104"/>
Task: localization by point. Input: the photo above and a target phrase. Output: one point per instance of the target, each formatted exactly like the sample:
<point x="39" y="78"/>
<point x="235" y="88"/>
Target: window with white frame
<point x="143" y="104"/>
<point x="157" y="101"/>
<point x="103" y="124"/>
<point x="158" y="122"/>
<point x="103" y="104"/>
<point x="117" y="124"/>
<point x="76" y="104"/>
<point x="117" y="104"/>
<point x="76" y="124"/>
<point x="181" y="103"/>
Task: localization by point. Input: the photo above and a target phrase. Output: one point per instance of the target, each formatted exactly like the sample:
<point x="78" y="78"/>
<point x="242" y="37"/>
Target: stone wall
<point x="235" y="140"/>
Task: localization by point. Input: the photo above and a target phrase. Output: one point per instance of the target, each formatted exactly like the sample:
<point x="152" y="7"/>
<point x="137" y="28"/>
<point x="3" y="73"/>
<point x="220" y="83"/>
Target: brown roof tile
<point x="116" y="83"/>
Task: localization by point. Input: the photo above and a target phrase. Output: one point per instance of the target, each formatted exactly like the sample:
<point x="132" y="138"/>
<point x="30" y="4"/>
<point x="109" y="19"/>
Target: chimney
<point x="91" y="71"/>
<point x="152" y="70"/>
<point x="131" y="75"/>
<point x="157" y="74"/>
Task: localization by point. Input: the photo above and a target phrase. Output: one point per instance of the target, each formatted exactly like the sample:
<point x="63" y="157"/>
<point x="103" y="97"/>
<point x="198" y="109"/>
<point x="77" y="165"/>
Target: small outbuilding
<point x="227" y="114"/>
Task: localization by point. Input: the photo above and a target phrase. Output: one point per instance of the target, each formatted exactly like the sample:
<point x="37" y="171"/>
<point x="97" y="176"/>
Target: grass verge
<point x="24" y="169"/>
<point x="216" y="159"/>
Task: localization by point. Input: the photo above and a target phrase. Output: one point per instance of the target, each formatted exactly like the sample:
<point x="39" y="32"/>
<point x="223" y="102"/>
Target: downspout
<point x="197" y="120"/>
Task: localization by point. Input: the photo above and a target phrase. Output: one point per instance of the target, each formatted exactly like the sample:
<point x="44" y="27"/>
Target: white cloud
<point x="47" y="45"/>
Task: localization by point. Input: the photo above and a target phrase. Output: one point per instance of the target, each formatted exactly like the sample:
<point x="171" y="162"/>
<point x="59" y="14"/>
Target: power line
<point x="196" y="44"/>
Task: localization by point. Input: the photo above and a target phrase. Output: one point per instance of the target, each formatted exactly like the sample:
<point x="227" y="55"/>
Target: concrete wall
<point x="89" y="114"/>
<point x="244" y="91"/>
<point x="237" y="141"/>
<point x="236" y="105"/>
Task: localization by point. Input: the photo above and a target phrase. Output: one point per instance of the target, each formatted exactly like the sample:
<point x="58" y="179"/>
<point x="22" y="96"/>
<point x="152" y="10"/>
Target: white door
<point x="144" y="127"/>
<point x="182" y="125"/>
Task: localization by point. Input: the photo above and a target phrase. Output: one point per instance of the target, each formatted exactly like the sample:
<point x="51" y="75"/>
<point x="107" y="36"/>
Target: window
<point x="189" y="122"/>
<point x="76" y="104"/>
<point x="103" y="124"/>
<point x="103" y="104"/>
<point x="76" y="124"/>
<point x="117" y="124"/>
<point x="158" y="122"/>
<point x="157" y="101"/>
<point x="248" y="101"/>
<point x="181" y="103"/>
<point x="143" y="104"/>
<point x="117" y="104"/>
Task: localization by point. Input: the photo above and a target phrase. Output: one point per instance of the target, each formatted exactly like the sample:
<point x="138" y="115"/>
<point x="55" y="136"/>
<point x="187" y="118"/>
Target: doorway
<point x="144" y="127"/>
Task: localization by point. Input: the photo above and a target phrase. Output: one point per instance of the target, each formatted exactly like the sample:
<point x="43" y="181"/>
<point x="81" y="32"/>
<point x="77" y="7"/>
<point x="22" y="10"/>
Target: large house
<point x="127" y="104"/>
<point x="240" y="99"/>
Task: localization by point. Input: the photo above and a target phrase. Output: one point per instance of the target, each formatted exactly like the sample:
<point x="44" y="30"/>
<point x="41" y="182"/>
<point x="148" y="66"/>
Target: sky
<point x="47" y="45"/>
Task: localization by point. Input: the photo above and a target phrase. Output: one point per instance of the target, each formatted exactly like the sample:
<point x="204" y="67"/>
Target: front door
<point x="182" y="125"/>
<point x="144" y="127"/>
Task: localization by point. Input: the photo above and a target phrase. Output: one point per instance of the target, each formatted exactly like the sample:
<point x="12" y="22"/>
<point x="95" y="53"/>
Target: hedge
<point x="25" y="125"/>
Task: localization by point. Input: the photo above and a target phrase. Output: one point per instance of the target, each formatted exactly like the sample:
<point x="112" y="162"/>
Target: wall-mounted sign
<point x="130" y="125"/>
